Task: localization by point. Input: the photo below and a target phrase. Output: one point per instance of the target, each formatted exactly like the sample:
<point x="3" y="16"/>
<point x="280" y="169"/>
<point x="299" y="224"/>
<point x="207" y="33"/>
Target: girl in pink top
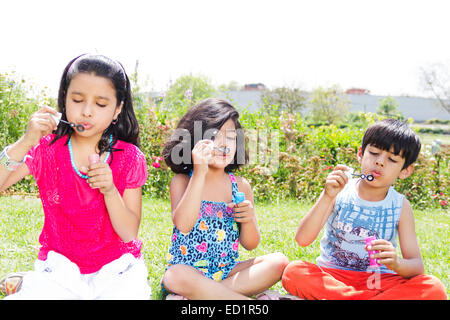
<point x="89" y="171"/>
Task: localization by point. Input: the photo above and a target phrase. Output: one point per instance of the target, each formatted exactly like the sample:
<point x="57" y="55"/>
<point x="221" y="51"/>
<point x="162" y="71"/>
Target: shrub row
<point x="294" y="165"/>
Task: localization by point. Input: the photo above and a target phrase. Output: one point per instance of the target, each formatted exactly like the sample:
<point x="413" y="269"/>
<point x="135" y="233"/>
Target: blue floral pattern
<point x="212" y="244"/>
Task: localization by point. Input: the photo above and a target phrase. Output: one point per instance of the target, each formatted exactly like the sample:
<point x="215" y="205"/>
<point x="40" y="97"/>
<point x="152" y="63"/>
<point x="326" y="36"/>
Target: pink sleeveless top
<point x="77" y="223"/>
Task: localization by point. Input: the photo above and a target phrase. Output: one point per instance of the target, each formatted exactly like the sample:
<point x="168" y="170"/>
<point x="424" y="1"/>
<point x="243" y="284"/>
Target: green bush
<point x="154" y="131"/>
<point x="295" y="167"/>
<point x="429" y="185"/>
<point x="17" y="103"/>
<point x="437" y="121"/>
<point x="432" y="130"/>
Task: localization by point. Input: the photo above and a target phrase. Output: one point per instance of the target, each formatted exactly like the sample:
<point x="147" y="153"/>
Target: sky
<point x="377" y="45"/>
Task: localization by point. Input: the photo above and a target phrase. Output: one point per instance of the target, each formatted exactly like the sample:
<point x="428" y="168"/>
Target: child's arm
<point x="185" y="198"/>
<point x="411" y="264"/>
<point x="40" y="124"/>
<point x="125" y="212"/>
<point x="315" y="219"/>
<point x="245" y="214"/>
<point x="12" y="177"/>
<point x="185" y="193"/>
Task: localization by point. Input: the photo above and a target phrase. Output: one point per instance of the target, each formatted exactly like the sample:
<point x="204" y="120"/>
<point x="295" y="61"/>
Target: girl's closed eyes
<point x="100" y="104"/>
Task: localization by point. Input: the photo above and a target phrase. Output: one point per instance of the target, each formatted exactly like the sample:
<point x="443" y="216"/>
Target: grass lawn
<point x="428" y="138"/>
<point x="21" y="221"/>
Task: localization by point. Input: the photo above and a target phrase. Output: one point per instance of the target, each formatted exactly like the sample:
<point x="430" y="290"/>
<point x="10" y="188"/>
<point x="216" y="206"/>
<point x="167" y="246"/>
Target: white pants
<point x="59" y="278"/>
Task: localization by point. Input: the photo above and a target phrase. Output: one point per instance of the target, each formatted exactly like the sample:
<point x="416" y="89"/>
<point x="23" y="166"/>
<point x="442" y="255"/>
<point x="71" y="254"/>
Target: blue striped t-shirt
<point x="351" y="222"/>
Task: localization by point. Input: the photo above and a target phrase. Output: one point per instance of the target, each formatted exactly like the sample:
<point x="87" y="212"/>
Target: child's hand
<point x="243" y="211"/>
<point x="100" y="177"/>
<point x="336" y="181"/>
<point x="386" y="255"/>
<point x="41" y="124"/>
<point x="202" y="154"/>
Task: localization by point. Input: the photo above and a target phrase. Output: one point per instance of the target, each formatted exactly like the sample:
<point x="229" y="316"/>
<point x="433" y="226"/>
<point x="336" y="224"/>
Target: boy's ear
<point x="405" y="173"/>
<point x="360" y="155"/>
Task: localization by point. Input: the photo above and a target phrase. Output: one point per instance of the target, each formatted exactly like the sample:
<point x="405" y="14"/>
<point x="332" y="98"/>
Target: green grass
<point x="21" y="221"/>
<point x="428" y="138"/>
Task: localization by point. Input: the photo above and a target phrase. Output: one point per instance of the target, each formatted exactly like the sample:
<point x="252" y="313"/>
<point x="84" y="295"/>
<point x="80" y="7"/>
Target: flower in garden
<point x="188" y="94"/>
<point x="157" y="162"/>
<point x="156" y="165"/>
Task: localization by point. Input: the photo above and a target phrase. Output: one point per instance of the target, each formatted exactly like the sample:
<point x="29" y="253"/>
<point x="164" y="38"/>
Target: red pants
<point x="309" y="281"/>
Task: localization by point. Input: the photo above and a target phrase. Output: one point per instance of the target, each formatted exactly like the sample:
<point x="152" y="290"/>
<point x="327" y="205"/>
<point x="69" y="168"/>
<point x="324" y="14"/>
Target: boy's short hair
<point x="392" y="133"/>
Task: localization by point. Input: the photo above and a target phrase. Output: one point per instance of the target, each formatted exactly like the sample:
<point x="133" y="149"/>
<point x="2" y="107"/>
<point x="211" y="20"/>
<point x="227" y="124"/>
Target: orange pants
<point x="309" y="281"/>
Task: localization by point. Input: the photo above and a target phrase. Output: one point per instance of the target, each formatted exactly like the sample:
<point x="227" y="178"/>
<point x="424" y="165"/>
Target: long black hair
<point x="126" y="127"/>
<point x="212" y="114"/>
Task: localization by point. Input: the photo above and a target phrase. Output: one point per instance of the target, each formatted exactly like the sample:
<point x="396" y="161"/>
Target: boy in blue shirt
<point x="354" y="209"/>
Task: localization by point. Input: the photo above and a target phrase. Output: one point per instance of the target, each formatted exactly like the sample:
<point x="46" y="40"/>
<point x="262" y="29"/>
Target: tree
<point x="328" y="104"/>
<point x="140" y="98"/>
<point x="186" y="91"/>
<point x="287" y="98"/>
<point x="389" y="107"/>
<point x="436" y="79"/>
<point x="231" y="86"/>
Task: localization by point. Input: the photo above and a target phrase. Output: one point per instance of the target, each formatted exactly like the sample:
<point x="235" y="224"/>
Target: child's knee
<point x="173" y="278"/>
<point x="274" y="263"/>
<point x="279" y="262"/>
<point x="180" y="279"/>
<point x="435" y="288"/>
<point x="295" y="270"/>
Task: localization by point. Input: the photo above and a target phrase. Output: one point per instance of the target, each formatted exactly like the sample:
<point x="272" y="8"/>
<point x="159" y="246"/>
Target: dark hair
<point x="212" y="114"/>
<point x="392" y="133"/>
<point x="126" y="128"/>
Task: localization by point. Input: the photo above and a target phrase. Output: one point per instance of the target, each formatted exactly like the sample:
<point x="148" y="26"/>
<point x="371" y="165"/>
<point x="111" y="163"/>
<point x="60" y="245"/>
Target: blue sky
<point x="377" y="45"/>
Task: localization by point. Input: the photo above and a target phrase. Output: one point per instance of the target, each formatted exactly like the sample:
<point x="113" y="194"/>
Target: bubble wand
<point x="78" y="127"/>
<point x="224" y="150"/>
<point x="351" y="174"/>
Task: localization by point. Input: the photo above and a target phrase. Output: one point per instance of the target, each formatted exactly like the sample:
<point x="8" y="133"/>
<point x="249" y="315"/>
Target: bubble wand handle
<point x="93" y="158"/>
<point x="372" y="262"/>
<point x="239" y="197"/>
